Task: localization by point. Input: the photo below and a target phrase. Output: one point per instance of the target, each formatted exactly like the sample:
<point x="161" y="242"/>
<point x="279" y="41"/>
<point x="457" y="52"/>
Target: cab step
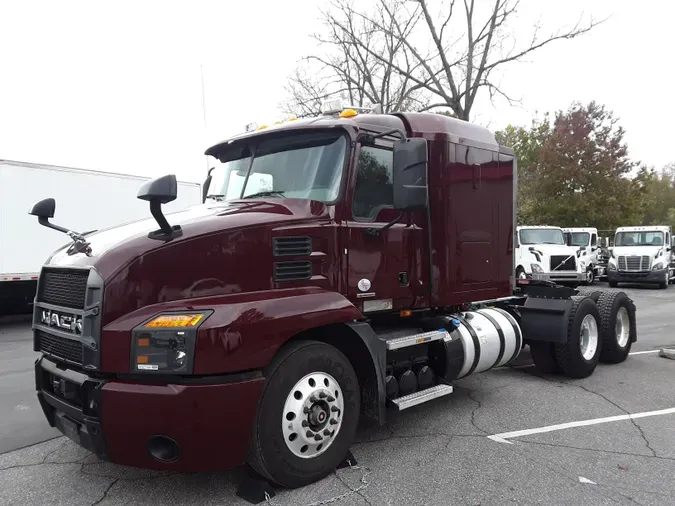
<point x="422" y="396"/>
<point x="411" y="340"/>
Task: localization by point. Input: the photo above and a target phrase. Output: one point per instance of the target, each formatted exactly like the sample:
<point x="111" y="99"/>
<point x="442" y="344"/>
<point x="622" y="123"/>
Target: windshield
<point x="541" y="236"/>
<point x="577" y="238"/>
<point x="652" y="238"/>
<point x="306" y="166"/>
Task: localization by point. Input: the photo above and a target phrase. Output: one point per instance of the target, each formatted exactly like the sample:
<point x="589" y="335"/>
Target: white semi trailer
<point x="86" y="200"/>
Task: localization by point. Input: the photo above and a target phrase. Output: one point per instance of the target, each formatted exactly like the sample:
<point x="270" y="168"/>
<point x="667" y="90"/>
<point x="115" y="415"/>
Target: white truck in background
<point x="641" y="255"/>
<point x="586" y="241"/>
<point x="86" y="200"/>
<point x="542" y="253"/>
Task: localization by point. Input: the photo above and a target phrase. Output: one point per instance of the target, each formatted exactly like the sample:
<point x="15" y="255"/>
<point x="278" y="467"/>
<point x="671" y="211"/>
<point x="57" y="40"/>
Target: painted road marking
<point x="643" y="352"/>
<point x="505" y="436"/>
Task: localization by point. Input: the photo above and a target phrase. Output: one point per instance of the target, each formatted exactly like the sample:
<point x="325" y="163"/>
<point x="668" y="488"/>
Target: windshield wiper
<point x="271" y="193"/>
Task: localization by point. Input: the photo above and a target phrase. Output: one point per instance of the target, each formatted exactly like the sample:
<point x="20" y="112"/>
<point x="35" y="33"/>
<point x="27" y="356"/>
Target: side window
<point x="594" y="240"/>
<point x="374" y="189"/>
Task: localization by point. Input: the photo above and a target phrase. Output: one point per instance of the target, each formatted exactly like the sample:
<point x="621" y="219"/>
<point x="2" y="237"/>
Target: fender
<point x="245" y="330"/>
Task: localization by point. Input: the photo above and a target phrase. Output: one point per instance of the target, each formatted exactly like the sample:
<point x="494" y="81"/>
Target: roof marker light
<point x="348" y="113"/>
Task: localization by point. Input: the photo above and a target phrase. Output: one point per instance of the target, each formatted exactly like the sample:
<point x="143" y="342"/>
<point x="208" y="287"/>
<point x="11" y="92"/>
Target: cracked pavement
<point x="438" y="453"/>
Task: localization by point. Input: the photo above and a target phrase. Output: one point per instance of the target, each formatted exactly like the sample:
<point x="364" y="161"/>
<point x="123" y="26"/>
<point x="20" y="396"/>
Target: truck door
<point x="380" y="261"/>
<point x="594" y="253"/>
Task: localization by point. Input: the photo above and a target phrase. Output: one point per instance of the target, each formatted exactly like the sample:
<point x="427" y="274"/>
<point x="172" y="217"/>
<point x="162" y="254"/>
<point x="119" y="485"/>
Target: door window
<point x="374" y="189"/>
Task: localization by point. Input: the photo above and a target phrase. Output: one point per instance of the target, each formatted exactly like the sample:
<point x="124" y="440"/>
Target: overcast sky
<point x="116" y="86"/>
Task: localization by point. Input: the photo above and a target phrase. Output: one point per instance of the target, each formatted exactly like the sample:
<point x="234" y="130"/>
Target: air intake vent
<point x="292" y="271"/>
<point x="292" y="246"/>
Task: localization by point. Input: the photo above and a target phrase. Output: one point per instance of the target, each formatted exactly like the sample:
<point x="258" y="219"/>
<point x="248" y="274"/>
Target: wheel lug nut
<point x="305" y="410"/>
<point x="305" y="423"/>
<point x="323" y="395"/>
<point x="334" y="409"/>
<point x="331" y="398"/>
<point x="333" y="422"/>
<point x="327" y="432"/>
<point x="313" y="399"/>
<point x="318" y="437"/>
<point x="309" y="433"/>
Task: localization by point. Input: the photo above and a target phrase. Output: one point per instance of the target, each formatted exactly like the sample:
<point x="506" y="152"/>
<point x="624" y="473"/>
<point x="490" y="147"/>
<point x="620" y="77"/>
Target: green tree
<point x="575" y="170"/>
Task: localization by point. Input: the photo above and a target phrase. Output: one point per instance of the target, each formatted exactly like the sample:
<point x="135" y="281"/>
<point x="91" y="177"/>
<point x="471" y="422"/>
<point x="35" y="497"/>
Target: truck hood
<point x="552" y="249"/>
<point x="131" y="239"/>
<point x="636" y="250"/>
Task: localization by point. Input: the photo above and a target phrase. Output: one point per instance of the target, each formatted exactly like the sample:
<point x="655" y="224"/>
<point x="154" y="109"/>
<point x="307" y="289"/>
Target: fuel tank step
<point x="422" y="396"/>
<point x="425" y="337"/>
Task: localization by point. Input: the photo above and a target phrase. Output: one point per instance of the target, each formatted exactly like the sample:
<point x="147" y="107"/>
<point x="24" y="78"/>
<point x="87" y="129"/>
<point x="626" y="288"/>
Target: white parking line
<point x="505" y="436"/>
<point x="643" y="352"/>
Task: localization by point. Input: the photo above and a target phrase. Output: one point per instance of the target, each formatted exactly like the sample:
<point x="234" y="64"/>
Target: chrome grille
<point x="633" y="263"/>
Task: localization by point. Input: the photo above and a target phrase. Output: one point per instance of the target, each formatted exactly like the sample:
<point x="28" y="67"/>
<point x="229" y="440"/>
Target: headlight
<point x="657" y="266"/>
<point x="166" y="343"/>
<point x="536" y="268"/>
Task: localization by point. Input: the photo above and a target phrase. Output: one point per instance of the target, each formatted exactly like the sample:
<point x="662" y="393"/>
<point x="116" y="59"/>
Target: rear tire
<point x="618" y="328"/>
<point x="543" y="355"/>
<point x="591" y="293"/>
<point x="308" y="382"/>
<point x="579" y="356"/>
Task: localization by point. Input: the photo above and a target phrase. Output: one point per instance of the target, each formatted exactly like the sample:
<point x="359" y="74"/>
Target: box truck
<point x="89" y="200"/>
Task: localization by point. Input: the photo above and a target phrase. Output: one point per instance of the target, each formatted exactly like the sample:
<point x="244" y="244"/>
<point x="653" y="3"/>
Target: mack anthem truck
<point x="339" y="266"/>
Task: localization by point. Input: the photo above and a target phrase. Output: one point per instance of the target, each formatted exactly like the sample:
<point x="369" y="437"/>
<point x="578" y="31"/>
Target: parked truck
<point x="641" y="255"/>
<point x="589" y="251"/>
<point x="89" y="200"/>
<point x="369" y="265"/>
<point x="543" y="254"/>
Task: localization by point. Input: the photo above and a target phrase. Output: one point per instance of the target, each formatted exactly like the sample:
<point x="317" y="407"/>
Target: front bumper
<point x="115" y="419"/>
<point x="656" y="276"/>
<point x="560" y="277"/>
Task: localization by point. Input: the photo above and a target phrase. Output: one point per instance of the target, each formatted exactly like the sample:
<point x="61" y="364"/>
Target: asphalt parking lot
<point x="438" y="453"/>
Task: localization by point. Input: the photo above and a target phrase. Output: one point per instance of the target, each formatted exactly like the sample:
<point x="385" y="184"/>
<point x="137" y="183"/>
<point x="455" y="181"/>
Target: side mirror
<point x="161" y="190"/>
<point x="44" y="209"/>
<point x="410" y="174"/>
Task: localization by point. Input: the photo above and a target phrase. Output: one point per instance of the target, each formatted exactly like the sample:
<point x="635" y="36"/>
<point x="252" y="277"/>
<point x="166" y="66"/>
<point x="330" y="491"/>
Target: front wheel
<point x="590" y="276"/>
<point x="307" y="416"/>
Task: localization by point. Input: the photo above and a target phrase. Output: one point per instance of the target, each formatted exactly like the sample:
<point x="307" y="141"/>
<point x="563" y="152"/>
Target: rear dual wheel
<point x="617" y="326"/>
<point x="307" y="416"/>
<point x="579" y="355"/>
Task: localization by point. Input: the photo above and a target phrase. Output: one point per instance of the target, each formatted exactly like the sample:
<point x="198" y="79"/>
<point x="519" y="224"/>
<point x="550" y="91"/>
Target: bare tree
<point x="360" y="62"/>
<point x="408" y="56"/>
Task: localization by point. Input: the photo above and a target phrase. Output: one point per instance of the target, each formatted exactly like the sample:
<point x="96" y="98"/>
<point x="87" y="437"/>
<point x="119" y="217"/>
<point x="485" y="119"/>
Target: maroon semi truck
<point x="339" y="266"/>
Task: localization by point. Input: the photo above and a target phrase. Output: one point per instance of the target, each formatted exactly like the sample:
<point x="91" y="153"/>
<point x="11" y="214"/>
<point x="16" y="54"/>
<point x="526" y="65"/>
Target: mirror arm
<point x="375" y="232"/>
<point x="156" y="211"/>
<point x="44" y="221"/>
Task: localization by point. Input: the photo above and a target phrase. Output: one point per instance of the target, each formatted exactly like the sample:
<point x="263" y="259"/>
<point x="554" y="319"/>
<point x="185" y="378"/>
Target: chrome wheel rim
<point x="312" y="415"/>
<point x="588" y="337"/>
<point x="622" y="327"/>
<point x="590" y="277"/>
<point x="522" y="275"/>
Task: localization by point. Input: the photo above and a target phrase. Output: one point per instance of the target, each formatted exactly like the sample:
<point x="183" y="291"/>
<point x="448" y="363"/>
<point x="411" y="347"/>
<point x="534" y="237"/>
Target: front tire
<point x="307" y="415"/>
<point x="579" y="356"/>
<point x="590" y="277"/>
